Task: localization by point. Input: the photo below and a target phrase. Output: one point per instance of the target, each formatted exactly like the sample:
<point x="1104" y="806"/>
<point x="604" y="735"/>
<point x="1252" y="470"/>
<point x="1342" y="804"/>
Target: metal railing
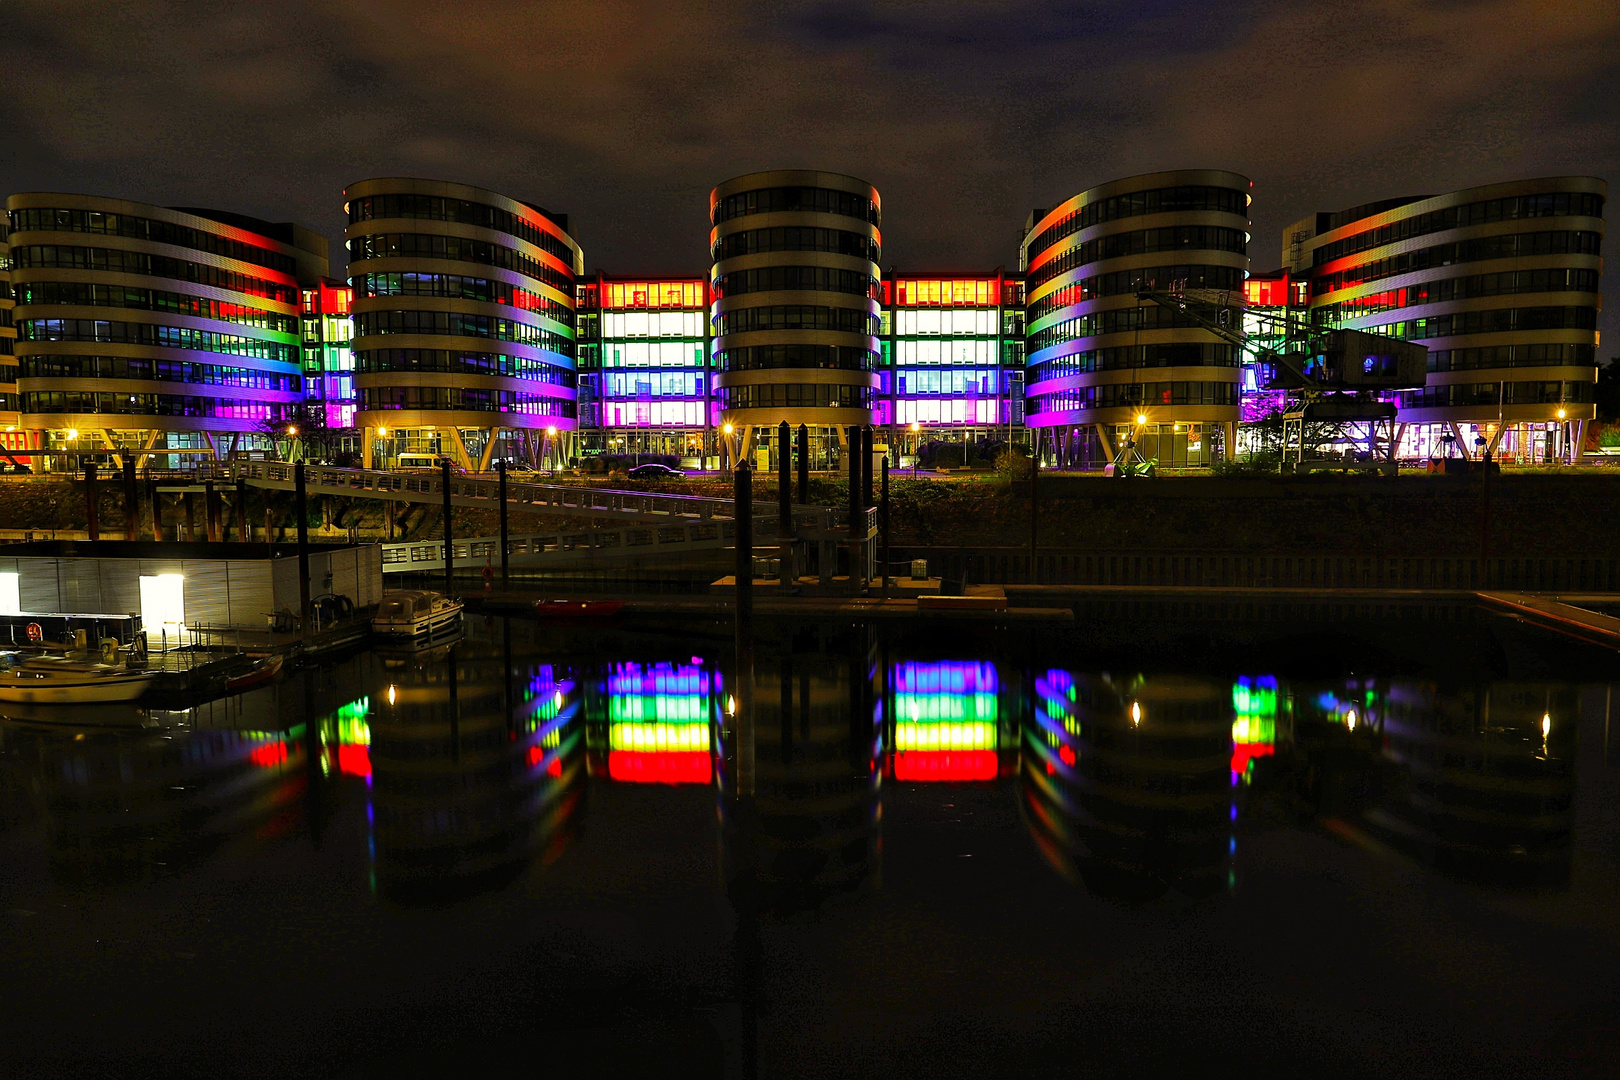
<point x="464" y="491"/>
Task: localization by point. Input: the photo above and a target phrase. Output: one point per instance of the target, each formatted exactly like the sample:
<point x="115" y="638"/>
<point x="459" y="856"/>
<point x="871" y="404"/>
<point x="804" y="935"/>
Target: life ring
<point x="36" y="632"/>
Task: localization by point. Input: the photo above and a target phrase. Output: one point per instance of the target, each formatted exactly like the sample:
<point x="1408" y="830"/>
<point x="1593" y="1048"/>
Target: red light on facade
<point x="1266" y="292"/>
<point x="928" y="765"/>
<point x="653" y="767"/>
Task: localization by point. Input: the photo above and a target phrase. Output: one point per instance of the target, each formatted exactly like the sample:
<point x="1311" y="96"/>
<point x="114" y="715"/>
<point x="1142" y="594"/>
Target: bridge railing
<point x="429" y="486"/>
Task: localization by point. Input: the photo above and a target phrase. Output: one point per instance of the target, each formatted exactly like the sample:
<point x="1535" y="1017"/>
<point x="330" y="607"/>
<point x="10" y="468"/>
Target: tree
<point x="1608" y="391"/>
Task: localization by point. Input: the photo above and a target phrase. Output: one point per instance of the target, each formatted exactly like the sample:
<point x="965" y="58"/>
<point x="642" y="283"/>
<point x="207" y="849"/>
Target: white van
<point x="421" y="463"/>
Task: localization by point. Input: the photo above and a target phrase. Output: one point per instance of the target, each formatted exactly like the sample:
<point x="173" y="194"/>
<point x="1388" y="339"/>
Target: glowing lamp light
<point x="915" y="427"/>
<point x="73" y="433"/>
<point x="1562" y="413"/>
<point x="726" y="427"/>
<point x="551" y="430"/>
<point x="292" y="429"/>
<point x="383" y="432"/>
<point x="1141" y="418"/>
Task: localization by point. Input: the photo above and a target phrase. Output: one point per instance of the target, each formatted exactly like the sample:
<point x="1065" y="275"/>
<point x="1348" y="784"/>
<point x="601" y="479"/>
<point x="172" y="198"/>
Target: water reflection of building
<point x="475" y="773"/>
<point x="1484" y="779"/>
<point x="1126" y="784"/>
<point x="811" y="828"/>
<point x="121" y="806"/>
<point x="946" y="721"/>
<point x="650" y="723"/>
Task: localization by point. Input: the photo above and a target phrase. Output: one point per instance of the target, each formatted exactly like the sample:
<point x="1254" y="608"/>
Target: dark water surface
<point x="550" y="853"/>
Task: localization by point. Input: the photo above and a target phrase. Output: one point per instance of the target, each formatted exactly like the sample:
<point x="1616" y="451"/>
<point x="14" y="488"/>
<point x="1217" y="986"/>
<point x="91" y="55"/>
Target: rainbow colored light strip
<point x="658" y="723"/>
<point x="945" y="721"/>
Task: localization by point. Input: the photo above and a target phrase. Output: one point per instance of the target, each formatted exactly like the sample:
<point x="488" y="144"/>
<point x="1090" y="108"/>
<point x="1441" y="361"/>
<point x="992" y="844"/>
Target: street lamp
<point x="916" y="448"/>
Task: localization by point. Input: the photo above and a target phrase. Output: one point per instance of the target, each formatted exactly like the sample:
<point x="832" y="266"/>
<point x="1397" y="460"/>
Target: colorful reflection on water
<point x="946" y="718"/>
<point x="466" y="768"/>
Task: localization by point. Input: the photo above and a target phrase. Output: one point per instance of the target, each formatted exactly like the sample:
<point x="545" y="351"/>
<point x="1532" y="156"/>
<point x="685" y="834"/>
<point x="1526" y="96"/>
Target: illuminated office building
<point x="12" y="436"/>
<point x="164" y="333"/>
<point x="644" y="378"/>
<point x="1104" y="367"/>
<point x="953" y="357"/>
<point x="796" y="304"/>
<point x="328" y="360"/>
<point x="1499" y="282"/>
<point x="463" y="322"/>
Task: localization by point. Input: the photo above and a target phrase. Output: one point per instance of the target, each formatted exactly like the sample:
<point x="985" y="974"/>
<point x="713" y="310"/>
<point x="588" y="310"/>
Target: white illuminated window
<point x="10" y="597"/>
<point x="163" y="605"/>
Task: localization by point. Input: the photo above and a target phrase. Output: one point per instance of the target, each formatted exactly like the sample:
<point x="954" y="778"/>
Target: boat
<point x="416" y="616"/>
<point x="577" y="609"/>
<point x="52" y="681"/>
<point x="264" y="669"/>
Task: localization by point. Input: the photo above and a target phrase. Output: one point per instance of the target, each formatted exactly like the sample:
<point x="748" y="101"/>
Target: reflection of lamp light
<point x="1350" y="719"/>
<point x="393" y="692"/>
<point x="1136" y="712"/>
<point x="731" y="704"/>
<point x="1546" y="724"/>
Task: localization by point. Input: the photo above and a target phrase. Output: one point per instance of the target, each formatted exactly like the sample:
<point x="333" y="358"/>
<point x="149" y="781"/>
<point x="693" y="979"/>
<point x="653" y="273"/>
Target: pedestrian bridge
<point x="620" y="507"/>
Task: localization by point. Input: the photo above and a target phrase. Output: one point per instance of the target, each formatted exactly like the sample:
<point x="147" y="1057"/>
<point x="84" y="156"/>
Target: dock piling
<point x="132" y="502"/>
<point x="804" y="464"/>
<point x="301" y="508"/>
<point x="506" y="562"/>
<point x="449" y="536"/>
<point x="90" y="500"/>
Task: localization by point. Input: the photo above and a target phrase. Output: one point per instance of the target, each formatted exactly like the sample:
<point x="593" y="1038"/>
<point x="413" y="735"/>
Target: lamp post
<point x="1563" y="435"/>
<point x="731" y="451"/>
<point x="916" y="447"/>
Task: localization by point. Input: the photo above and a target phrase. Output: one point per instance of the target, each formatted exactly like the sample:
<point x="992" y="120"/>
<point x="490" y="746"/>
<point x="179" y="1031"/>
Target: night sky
<point x="965" y="115"/>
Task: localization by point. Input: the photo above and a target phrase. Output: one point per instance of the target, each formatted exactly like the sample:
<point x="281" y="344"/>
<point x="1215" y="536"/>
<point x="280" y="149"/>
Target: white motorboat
<point x="49" y="681"/>
<point x="416" y="617"/>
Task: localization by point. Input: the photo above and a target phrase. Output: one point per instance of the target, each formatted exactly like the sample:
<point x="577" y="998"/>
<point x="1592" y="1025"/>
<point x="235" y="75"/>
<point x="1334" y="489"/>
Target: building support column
<point x="1102" y="437"/>
<point x="151" y="441"/>
<point x="1456" y="433"/>
<point x="489" y="450"/>
<point x="366" y="448"/>
<point x="1577" y="443"/>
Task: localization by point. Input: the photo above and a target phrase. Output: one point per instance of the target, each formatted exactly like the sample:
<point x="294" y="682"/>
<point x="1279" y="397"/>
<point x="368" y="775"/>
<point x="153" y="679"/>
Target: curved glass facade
<point x="1102" y="366"/>
<point x="796" y="312"/>
<point x="464" y="331"/>
<point x="153" y="329"/>
<point x="1499" y="282"/>
<point x="8" y="342"/>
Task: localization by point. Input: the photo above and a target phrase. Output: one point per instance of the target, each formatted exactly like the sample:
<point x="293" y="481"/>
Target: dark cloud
<point x="966" y="115"/>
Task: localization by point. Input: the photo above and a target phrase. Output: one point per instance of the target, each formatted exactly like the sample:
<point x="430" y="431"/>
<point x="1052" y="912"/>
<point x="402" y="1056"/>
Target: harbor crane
<point x="1331" y="378"/>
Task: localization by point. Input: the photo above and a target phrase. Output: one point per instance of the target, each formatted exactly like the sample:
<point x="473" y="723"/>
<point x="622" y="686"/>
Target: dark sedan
<point x="654" y="471"/>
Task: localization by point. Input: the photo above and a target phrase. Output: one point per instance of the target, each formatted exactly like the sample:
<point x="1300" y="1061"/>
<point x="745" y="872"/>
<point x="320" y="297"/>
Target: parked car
<point x="654" y="471"/>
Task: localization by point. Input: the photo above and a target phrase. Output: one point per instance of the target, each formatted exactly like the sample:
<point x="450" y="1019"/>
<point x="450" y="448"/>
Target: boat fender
<point x="109" y="649"/>
<point x="36" y="632"/>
